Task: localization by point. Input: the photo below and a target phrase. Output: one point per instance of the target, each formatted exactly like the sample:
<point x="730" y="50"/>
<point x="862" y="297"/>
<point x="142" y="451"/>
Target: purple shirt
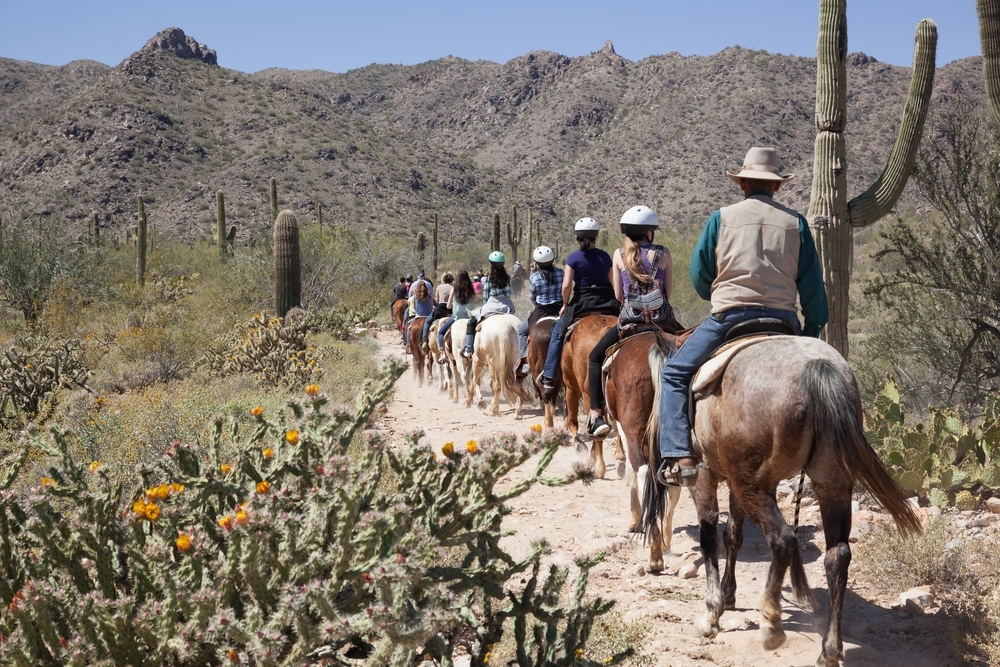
<point x="644" y="262"/>
<point x="591" y="267"/>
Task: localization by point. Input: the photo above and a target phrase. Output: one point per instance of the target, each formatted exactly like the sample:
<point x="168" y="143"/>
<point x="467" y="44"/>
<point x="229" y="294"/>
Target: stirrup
<point x="672" y="474"/>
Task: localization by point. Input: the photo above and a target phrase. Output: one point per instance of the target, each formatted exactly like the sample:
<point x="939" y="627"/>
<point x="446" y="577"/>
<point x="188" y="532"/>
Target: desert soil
<point x="578" y="520"/>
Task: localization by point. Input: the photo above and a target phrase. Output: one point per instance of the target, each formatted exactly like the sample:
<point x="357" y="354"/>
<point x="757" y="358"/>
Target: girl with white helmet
<point x="545" y="288"/>
<point x="496" y="299"/>
<point x="643" y="280"/>
<point x="587" y="280"/>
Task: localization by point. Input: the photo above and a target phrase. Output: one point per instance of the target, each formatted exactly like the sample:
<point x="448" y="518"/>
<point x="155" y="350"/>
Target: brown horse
<point x="784" y="405"/>
<point x="399" y="313"/>
<point x="538" y="346"/>
<point x="421" y="360"/>
<point x="575" y="359"/>
<point x="630" y="395"/>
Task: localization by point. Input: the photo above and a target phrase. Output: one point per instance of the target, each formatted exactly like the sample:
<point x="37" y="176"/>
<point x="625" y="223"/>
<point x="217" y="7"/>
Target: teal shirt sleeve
<point x="812" y="292"/>
<point x="703" y="267"/>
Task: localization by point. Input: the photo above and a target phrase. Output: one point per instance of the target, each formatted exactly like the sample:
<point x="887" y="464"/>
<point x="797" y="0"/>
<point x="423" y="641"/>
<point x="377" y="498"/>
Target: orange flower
<point x="225" y="468"/>
<point x="312" y="390"/>
<point x="471" y="447"/>
<point x="263" y="486"/>
<point x="139" y="507"/>
<point x="233" y="656"/>
<point x="448" y="449"/>
<point x="94" y="466"/>
<point x="183" y="542"/>
<point x="257" y="411"/>
<point x="158" y="492"/>
<point x="268" y="452"/>
<point x="226" y="522"/>
<point x="152" y="511"/>
<point x="292" y="437"/>
<point x="320" y="469"/>
<point x="536" y="428"/>
<point x="241" y="516"/>
<point x="48" y="481"/>
<point x="177" y="488"/>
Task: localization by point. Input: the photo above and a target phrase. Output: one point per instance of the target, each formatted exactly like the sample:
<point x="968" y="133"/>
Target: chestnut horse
<point x="538" y="346"/>
<point x="421" y="360"/>
<point x="575" y="359"/>
<point x="399" y="307"/>
<point x="630" y="395"/>
<point x="784" y="405"/>
<point x="497" y="348"/>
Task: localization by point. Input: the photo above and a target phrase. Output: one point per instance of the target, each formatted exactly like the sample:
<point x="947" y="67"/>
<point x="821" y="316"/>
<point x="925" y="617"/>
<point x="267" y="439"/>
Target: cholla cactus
<point x="275" y="353"/>
<point x="30" y="373"/>
<point x="277" y="548"/>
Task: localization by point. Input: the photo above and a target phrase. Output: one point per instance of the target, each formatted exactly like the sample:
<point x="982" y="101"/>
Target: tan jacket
<point x="757" y="256"/>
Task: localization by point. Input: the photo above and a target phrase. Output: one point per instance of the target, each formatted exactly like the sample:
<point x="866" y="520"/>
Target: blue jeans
<point x="675" y="429"/>
<point x="442" y="330"/>
<point x="522" y="339"/>
<point x="555" y="351"/>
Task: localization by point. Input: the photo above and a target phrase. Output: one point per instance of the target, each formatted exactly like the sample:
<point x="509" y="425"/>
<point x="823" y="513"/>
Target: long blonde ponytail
<point x="632" y="258"/>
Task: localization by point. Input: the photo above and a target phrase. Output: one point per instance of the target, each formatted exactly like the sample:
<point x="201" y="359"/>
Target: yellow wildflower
<point x="268" y="452"/>
<point x="139" y="507"/>
<point x="225" y="468"/>
<point x="158" y="492"/>
<point x="226" y="522"/>
<point x="263" y="486"/>
<point x="177" y="488"/>
<point x="94" y="466"/>
<point x="578" y="654"/>
<point x="312" y="390"/>
<point x="241" y="516"/>
<point x="48" y="481"/>
<point x="471" y="447"/>
<point x="448" y="449"/>
<point x="292" y="437"/>
<point x="536" y="428"/>
<point x="152" y="511"/>
<point x="183" y="542"/>
<point x="257" y="411"/>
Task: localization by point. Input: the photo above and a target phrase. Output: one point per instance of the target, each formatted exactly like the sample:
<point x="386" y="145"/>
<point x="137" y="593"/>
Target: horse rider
<point x="587" y="279"/>
<point x="442" y="298"/>
<point x="643" y="280"/>
<point x="496" y="299"/>
<point x="408" y="283"/>
<point x="399" y="291"/>
<point x="463" y="302"/>
<point x="545" y="292"/>
<point x="421" y="278"/>
<point x="421" y="305"/>
<point x="751" y="261"/>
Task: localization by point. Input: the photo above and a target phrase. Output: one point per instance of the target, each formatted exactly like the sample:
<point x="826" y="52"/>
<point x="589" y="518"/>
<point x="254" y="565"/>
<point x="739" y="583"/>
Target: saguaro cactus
<point x="534" y="232"/>
<point x="830" y="214"/>
<point x="140" y="246"/>
<point x="220" y="223"/>
<point x="319" y="217"/>
<point x="515" y="234"/>
<point x="287" y="264"/>
<point x="435" y="274"/>
<point x="495" y="239"/>
<point x="274" y="197"/>
<point x="421" y="246"/>
<point x="989" y="36"/>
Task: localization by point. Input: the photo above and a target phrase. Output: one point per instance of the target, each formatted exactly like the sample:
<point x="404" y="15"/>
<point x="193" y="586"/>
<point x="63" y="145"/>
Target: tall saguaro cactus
<point x="287" y="264"/>
<point x="989" y="36"/>
<point x="515" y="234"/>
<point x="421" y="247"/>
<point x="495" y="239"/>
<point x="274" y="197"/>
<point x="831" y="215"/>
<point x="220" y="223"/>
<point x="95" y="232"/>
<point x="435" y="274"/>
<point x="140" y="246"/>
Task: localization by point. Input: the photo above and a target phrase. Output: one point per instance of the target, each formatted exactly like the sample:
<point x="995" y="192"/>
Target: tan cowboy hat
<point x="760" y="164"/>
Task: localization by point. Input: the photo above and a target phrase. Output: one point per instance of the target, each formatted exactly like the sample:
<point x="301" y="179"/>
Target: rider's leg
<point x="522" y="338"/>
<point x="470" y="337"/>
<point x="554" y="353"/>
<point x="442" y="330"/>
<point x="425" y="330"/>
<point x="597" y="426"/>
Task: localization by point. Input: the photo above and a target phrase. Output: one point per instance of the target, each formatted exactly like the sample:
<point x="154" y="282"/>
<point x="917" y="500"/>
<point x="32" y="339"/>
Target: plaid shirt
<point x="489" y="290"/>
<point x="543" y="293"/>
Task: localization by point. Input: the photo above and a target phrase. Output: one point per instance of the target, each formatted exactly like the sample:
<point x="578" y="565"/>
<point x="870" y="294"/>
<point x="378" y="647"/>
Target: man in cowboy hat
<point x="752" y="260"/>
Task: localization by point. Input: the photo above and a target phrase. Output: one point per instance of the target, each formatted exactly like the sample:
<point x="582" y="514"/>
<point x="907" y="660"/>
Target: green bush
<point x="281" y="549"/>
<point x="945" y="462"/>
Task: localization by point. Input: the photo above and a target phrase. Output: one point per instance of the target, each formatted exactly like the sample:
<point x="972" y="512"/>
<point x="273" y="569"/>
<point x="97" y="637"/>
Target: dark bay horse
<point x="784" y="405"/>
<point x="421" y="360"/>
<point x="399" y="313"/>
<point x="538" y="345"/>
<point x="575" y="359"/>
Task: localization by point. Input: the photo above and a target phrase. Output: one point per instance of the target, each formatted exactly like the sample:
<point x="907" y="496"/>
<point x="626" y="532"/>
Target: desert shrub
<point x="963" y="572"/>
<point x="32" y="370"/>
<point x="948" y="460"/>
<point x="273" y="352"/>
<point x="284" y="550"/>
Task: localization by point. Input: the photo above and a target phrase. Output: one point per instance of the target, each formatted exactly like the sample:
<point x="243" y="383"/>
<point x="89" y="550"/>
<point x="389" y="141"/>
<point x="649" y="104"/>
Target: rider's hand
<point x="561" y="310"/>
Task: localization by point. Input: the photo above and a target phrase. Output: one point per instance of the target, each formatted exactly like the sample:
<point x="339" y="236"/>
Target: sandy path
<point x="577" y="520"/>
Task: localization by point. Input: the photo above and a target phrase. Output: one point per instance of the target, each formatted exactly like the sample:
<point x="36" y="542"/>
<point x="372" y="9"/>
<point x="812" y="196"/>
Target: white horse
<point x="446" y="378"/>
<point x="497" y="347"/>
<point x="453" y="344"/>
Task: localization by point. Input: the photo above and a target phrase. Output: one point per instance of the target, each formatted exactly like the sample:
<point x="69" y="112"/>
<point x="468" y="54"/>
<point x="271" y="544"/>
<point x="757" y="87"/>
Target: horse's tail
<point x="508" y="357"/>
<point x="836" y="412"/>
<point x="654" y="494"/>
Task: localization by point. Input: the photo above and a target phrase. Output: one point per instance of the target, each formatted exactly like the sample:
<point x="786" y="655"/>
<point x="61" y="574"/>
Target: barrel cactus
<point x="287" y="264"/>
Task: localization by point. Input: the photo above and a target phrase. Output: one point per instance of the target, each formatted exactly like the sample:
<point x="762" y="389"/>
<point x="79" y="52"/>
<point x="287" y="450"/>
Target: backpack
<point x="644" y="302"/>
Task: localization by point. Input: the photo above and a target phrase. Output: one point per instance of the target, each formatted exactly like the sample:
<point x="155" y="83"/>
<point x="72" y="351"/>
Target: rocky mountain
<point x="387" y="146"/>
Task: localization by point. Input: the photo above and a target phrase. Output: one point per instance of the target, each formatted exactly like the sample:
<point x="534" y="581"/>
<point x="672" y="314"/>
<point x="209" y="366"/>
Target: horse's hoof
<point x="655" y="566"/>
<point x="704" y="627"/>
<point x="729" y="604"/>
<point x="583" y="448"/>
<point x="620" y="469"/>
<point x="773" y="640"/>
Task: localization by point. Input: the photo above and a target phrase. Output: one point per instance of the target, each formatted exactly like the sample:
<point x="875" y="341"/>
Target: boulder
<point x="917" y="600"/>
<point x="689" y="571"/>
<point x="993" y="504"/>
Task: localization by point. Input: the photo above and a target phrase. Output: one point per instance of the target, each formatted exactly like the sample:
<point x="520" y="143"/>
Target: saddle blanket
<point x="711" y="371"/>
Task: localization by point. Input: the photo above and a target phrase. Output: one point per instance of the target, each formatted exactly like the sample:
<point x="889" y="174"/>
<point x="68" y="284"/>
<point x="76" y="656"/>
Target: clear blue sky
<point x="340" y="35"/>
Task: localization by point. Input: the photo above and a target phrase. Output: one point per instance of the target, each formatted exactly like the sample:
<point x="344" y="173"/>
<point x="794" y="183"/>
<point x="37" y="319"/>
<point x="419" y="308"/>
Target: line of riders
<point x="755" y="260"/>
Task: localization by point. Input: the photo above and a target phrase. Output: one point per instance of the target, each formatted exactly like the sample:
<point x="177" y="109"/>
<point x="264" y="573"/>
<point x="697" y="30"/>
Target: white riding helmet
<point x="587" y="228"/>
<point x="543" y="254"/>
<point x="639" y="219"/>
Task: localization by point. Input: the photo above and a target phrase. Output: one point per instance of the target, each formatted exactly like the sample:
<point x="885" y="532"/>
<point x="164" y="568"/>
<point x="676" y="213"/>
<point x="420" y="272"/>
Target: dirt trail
<point x="579" y="520"/>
